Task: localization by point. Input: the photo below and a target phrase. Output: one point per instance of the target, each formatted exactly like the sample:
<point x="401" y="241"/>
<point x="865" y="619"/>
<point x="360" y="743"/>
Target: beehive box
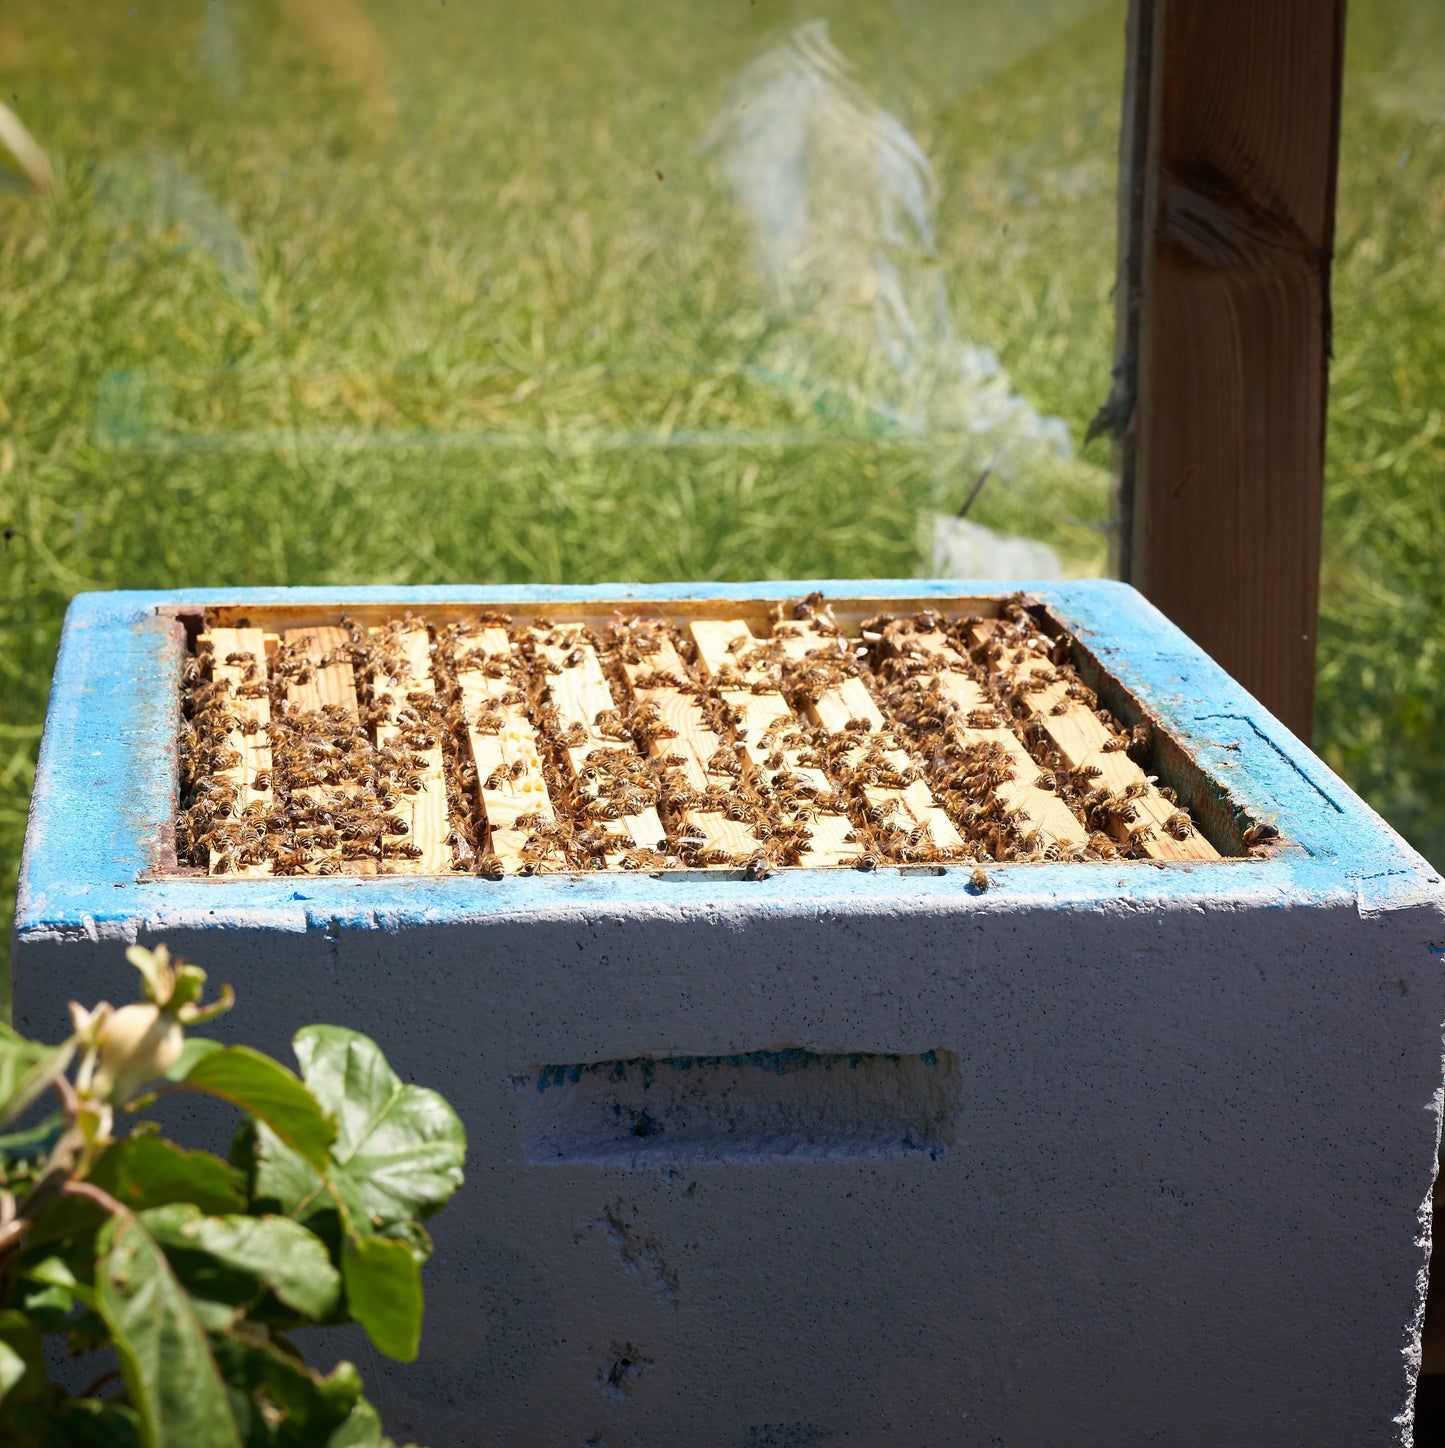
<point x="880" y="1012"/>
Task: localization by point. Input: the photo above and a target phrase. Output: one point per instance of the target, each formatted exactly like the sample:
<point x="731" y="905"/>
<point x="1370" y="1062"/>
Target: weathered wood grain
<point x="425" y="809"/>
<point x="849" y="700"/>
<point x="247" y="646"/>
<point x="503" y="742"/>
<point x="1085" y="742"/>
<point x="762" y="712"/>
<point x="690" y="749"/>
<point x="1032" y="807"/>
<point x="1230" y="339"/>
<point x="582" y="697"/>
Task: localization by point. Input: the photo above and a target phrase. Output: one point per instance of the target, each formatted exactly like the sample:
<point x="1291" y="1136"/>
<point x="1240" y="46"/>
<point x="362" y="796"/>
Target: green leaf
<point x="92" y="1423"/>
<point x="147" y="1171"/>
<point x="280" y="1255"/>
<point x="24" y="1155"/>
<point x="49" y="1308"/>
<point x="326" y="1204"/>
<point x="140" y="1172"/>
<point x="414" y="1235"/>
<point x="170" y="1375"/>
<point x="55" y="1273"/>
<point x="401" y="1146"/>
<point x="361" y="1430"/>
<point x="12" y="1367"/>
<point x="35" y="1144"/>
<point x="26" y="1069"/>
<point x="383" y="1290"/>
<point x="268" y="1382"/>
<point x="191" y="1051"/>
<point x="282" y="1178"/>
<point x="267" y="1090"/>
<point x="23" y="1385"/>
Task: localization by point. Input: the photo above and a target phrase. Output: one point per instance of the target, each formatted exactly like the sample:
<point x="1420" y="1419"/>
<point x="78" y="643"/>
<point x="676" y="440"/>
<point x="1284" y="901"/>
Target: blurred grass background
<point x="356" y="291"/>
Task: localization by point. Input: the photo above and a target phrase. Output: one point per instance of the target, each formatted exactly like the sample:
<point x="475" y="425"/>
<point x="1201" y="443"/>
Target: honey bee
<point x="490" y="867"/>
<point x="979" y="880"/>
<point x="1259" y="834"/>
<point x="1178" y="825"/>
<point x="289" y="862"/>
<point x="642" y="859"/>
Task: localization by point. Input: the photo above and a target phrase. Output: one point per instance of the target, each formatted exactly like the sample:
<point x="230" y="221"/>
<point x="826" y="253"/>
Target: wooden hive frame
<point x="800" y="735"/>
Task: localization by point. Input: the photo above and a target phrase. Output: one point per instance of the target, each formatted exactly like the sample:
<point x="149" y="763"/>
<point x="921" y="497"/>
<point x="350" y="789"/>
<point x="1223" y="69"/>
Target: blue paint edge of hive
<point x="104" y="783"/>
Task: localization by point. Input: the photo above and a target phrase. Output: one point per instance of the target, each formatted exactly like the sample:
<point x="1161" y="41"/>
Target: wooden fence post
<point x="1232" y="111"/>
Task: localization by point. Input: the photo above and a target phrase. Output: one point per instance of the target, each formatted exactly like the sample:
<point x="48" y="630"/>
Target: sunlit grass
<point x="1380" y="717"/>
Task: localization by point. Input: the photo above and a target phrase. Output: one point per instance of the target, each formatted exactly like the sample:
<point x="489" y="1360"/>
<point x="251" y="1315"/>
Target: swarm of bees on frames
<point x="633" y="788"/>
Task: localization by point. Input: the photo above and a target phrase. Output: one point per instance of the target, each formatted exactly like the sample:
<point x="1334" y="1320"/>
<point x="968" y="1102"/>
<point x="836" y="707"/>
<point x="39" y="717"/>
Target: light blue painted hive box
<point x="1107" y="1152"/>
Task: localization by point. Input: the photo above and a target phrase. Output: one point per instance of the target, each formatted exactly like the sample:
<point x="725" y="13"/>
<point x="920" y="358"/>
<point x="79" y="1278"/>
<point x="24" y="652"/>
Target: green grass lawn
<point x="403" y="293"/>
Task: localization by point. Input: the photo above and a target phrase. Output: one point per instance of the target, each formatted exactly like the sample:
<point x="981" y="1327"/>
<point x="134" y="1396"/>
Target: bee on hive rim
<point x="757" y="867"/>
<point x="979" y="879"/>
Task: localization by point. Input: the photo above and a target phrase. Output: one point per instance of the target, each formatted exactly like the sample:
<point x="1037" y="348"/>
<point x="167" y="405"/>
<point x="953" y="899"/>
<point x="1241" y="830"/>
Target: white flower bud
<point x="140" y="1042"/>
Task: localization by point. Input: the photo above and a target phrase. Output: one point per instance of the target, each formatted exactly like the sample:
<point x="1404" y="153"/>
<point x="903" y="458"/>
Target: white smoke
<point x="842" y="202"/>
